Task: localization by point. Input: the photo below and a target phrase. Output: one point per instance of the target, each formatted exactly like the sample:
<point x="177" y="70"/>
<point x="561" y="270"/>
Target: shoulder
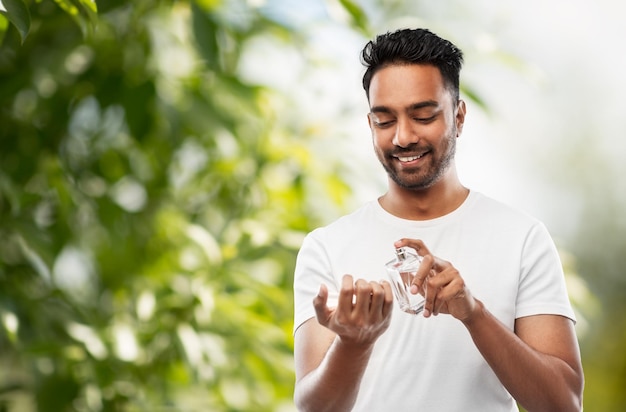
<point x="490" y="209"/>
<point x="334" y="240"/>
<point x="347" y="223"/>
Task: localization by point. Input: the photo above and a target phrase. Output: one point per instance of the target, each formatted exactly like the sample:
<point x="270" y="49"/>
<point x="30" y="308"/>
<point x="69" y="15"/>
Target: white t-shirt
<point x="506" y="258"/>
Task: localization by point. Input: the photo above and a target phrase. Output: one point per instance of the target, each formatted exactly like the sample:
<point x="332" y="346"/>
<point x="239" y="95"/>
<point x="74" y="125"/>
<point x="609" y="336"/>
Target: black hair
<point x="413" y="46"/>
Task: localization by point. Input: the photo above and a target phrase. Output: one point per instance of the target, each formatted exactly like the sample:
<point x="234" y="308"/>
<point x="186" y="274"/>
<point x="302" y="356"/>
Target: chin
<point x="416" y="183"/>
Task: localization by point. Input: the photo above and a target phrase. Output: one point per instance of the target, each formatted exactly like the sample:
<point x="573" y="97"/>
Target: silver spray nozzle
<point x="401" y="253"/>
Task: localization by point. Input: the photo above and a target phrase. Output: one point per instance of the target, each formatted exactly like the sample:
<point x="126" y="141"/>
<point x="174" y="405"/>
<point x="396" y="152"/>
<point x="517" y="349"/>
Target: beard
<point x="423" y="176"/>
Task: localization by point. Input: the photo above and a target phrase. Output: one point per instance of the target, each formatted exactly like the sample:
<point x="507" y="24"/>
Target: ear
<point x="460" y="117"/>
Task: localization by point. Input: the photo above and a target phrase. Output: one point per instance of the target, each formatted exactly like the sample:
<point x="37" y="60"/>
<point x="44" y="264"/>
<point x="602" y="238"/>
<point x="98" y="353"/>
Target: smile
<point x="405" y="159"/>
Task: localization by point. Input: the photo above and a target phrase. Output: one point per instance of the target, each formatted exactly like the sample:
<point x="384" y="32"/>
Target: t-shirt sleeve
<point x="312" y="269"/>
<point x="542" y="288"/>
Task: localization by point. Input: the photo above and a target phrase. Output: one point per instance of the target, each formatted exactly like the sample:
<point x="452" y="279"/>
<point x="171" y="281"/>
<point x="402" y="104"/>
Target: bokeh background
<point x="161" y="161"/>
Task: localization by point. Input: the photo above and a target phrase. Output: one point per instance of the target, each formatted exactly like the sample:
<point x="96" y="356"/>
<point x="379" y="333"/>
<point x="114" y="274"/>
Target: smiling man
<point x="497" y="327"/>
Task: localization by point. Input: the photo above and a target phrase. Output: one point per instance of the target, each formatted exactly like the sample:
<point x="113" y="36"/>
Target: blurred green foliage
<point x="150" y="210"/>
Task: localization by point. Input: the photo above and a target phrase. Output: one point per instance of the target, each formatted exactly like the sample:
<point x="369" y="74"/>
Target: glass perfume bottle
<point x="401" y="271"/>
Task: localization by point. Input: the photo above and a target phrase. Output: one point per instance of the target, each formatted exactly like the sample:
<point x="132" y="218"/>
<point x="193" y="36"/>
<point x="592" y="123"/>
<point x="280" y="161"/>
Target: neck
<point x="442" y="198"/>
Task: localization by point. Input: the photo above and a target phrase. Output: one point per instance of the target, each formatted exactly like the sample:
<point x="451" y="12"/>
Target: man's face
<point x="414" y="123"/>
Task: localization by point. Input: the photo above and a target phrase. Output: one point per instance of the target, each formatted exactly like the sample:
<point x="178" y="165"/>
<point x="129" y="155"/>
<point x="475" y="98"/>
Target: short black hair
<point x="413" y="46"/>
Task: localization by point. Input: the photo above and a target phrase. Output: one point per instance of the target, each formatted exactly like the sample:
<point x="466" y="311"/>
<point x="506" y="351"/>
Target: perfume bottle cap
<point x="401" y="253"/>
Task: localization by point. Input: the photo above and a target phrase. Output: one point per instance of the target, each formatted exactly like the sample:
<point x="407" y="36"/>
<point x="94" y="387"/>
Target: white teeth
<point x="408" y="159"/>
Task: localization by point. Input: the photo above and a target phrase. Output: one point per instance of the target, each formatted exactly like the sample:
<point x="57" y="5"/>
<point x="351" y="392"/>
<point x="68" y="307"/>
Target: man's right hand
<point x="363" y="310"/>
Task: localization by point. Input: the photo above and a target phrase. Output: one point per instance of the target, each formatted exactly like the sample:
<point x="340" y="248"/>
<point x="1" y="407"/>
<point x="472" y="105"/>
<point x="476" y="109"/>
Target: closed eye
<point x="384" y="125"/>
<point x="425" y="119"/>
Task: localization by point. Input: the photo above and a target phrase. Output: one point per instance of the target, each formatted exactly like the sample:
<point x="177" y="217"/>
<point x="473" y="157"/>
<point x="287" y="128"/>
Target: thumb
<point x="322" y="311"/>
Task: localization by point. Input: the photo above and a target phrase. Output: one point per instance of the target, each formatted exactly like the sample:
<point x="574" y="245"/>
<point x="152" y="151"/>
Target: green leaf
<point x="475" y="97"/>
<point x="206" y="31"/>
<point x="359" y="18"/>
<point x="84" y="13"/>
<point x="18" y="15"/>
<point x="89" y="9"/>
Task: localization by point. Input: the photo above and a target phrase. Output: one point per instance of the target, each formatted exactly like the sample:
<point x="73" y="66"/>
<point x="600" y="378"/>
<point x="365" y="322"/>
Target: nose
<point x="405" y="135"/>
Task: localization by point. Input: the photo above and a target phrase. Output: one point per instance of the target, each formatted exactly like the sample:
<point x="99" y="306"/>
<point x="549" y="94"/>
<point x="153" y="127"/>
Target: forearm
<point x="334" y="384"/>
<point x="538" y="381"/>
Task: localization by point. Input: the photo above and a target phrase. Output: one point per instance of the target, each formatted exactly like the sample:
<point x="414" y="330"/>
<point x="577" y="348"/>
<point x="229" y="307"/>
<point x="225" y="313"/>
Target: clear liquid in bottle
<point x="401" y="271"/>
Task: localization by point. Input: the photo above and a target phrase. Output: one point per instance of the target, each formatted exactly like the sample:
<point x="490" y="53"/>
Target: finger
<point x="447" y="296"/>
<point x="440" y="301"/>
<point x="454" y="289"/>
<point x="363" y="292"/>
<point x="430" y="295"/>
<point x="424" y="270"/>
<point x="439" y="305"/>
<point x="322" y="312"/>
<point x="416" y="244"/>
<point x="346" y="292"/>
<point x="431" y="266"/>
<point x="388" y="298"/>
<point x="448" y="285"/>
<point x="377" y="298"/>
<point x="433" y="283"/>
<point x="451" y="289"/>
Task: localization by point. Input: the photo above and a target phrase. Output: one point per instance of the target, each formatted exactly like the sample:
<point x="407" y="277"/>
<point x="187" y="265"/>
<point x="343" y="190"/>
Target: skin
<point x="415" y="123"/>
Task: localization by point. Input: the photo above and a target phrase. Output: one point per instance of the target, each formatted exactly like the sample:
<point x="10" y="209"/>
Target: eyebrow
<point x="414" y="106"/>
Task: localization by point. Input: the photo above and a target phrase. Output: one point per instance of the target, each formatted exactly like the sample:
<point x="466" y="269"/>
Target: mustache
<point x="412" y="148"/>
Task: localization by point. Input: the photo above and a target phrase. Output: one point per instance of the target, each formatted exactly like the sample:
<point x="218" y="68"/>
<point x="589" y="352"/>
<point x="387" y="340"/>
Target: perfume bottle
<point x="401" y="271"/>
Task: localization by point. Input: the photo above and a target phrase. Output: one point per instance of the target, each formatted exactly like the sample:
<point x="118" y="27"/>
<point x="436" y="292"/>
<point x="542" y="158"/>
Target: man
<point x="505" y="330"/>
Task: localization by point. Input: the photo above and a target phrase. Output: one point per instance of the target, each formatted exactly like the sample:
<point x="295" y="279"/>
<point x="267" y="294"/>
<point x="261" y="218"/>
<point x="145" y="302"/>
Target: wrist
<point x="353" y="347"/>
<point x="477" y="313"/>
